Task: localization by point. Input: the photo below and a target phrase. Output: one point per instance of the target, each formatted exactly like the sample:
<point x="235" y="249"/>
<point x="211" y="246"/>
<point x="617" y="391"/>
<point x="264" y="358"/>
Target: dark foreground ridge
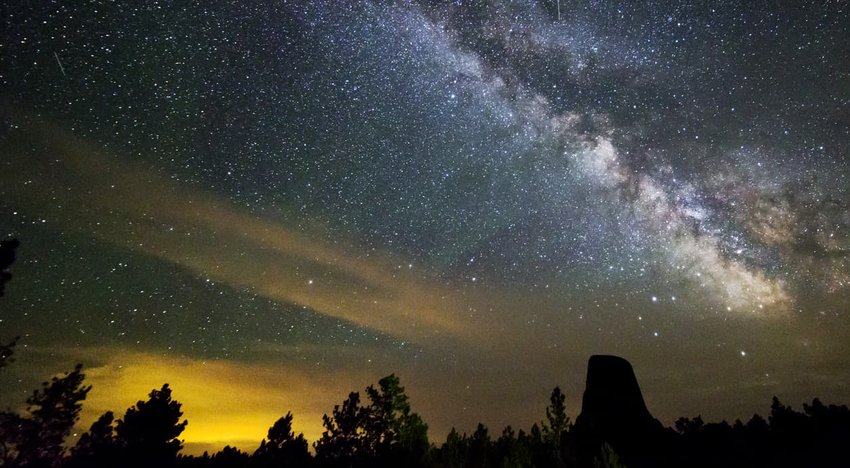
<point x="614" y="429"/>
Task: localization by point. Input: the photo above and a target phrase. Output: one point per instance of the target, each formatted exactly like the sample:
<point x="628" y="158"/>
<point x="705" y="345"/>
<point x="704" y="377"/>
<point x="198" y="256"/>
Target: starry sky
<point x="269" y="204"/>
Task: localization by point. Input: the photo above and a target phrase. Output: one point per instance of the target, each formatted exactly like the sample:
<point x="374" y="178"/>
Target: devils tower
<point x="613" y="411"/>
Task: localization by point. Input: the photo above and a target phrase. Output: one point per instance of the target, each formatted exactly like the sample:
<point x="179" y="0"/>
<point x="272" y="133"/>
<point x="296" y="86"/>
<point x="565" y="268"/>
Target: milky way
<point x="306" y="196"/>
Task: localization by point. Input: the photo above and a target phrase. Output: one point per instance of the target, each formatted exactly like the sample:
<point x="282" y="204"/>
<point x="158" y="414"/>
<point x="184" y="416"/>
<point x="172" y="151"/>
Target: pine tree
<point x="148" y="433"/>
<point x="37" y="440"/>
<point x="7" y="257"/>
<point x="557" y="423"/>
<point x="343" y="438"/>
<point x="386" y="432"/>
<point x="393" y="431"/>
<point x="282" y="447"/>
<point x="97" y="447"/>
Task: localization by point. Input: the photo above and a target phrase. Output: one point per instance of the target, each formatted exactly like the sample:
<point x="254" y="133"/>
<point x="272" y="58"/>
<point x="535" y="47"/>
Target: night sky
<point x="269" y="204"/>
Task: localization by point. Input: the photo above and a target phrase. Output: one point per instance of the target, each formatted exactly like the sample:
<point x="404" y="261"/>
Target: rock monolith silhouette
<point x="613" y="411"/>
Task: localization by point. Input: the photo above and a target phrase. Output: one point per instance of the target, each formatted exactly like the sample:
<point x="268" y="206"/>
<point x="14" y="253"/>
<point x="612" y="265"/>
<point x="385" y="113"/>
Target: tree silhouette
<point x="37" y="440"/>
<point x="148" y="432"/>
<point x="342" y="441"/>
<point x="831" y="418"/>
<point x="511" y="450"/>
<point x="97" y="447"/>
<point x="392" y="431"/>
<point x="7" y="257"/>
<point x="757" y="425"/>
<point x="386" y="432"/>
<point x="556" y="427"/>
<point x="687" y="426"/>
<point x="453" y="453"/>
<point x="283" y="447"/>
<point x="6" y="352"/>
<point x="789" y="428"/>
<point x="232" y="457"/>
<point x="11" y="435"/>
<point x="540" y="451"/>
<point x="607" y="458"/>
<point x="479" y="447"/>
<point x="557" y="423"/>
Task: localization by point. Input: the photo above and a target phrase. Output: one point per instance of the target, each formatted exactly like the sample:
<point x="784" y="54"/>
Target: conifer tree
<point x="148" y="433"/>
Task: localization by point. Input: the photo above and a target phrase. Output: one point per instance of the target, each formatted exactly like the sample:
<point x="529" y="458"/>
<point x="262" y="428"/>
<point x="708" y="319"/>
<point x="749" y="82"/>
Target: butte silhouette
<point x="613" y="412"/>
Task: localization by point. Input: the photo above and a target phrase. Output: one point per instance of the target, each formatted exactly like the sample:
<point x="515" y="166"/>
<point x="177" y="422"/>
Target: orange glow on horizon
<point x="226" y="403"/>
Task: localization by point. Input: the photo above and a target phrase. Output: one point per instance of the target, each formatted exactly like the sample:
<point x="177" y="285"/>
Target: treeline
<point x="380" y="431"/>
<point x="817" y="437"/>
<point x="383" y="431"/>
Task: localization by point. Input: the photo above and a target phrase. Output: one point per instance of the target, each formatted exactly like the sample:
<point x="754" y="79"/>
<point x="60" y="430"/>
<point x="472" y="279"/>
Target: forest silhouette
<point x="614" y="429"/>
